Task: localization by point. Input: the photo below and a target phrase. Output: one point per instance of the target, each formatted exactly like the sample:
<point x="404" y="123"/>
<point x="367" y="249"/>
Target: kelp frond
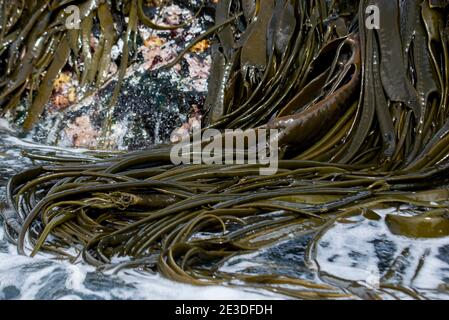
<point x="363" y="122"/>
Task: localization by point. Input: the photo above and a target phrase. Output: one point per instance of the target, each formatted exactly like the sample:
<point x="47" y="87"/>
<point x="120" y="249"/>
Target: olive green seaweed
<point x="363" y="124"/>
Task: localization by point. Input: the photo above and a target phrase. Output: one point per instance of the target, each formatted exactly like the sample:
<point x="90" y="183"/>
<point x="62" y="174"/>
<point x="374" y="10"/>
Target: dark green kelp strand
<point x="362" y="116"/>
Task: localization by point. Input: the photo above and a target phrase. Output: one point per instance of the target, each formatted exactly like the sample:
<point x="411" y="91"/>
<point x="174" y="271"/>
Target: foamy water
<point x="45" y="277"/>
<point x="366" y="249"/>
<point x="363" y="251"/>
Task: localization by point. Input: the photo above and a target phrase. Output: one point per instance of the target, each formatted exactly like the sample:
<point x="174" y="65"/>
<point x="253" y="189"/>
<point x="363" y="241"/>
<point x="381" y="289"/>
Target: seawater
<point x="359" y="250"/>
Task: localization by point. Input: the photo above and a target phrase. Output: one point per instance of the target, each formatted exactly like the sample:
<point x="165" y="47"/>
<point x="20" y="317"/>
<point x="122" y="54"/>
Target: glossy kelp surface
<point x="362" y="116"/>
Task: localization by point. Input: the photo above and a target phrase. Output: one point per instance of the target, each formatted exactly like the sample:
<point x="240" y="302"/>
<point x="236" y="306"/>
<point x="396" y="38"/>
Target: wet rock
<point x="152" y="103"/>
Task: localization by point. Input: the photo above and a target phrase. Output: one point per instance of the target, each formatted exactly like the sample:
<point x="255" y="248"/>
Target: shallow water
<point x="44" y="277"/>
<point x="365" y="250"/>
<point x="360" y="251"/>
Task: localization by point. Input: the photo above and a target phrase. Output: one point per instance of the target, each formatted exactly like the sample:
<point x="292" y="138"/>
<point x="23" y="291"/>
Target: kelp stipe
<point x="363" y="120"/>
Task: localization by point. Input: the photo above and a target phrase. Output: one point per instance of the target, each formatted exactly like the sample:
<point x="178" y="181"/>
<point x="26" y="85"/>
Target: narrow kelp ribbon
<point x="343" y="153"/>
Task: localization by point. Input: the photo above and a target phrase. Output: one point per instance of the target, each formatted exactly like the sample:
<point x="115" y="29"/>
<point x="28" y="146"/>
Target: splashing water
<point x="360" y="250"/>
<point x="45" y="277"/>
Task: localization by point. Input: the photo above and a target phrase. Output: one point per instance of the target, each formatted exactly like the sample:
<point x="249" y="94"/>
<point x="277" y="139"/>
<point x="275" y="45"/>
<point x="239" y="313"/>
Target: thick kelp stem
<point x="362" y="120"/>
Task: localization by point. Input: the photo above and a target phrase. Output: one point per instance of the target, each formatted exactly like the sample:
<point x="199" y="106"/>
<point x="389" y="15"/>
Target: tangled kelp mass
<point x="362" y="120"/>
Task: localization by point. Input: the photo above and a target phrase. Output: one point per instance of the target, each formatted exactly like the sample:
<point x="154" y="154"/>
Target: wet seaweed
<point x="362" y="116"/>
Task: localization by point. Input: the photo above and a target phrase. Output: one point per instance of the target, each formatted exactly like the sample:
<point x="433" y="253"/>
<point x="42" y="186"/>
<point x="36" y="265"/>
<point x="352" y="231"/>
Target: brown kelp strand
<point x="362" y="119"/>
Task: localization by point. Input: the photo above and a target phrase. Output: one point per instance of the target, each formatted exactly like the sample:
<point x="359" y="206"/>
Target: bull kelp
<point x="362" y="120"/>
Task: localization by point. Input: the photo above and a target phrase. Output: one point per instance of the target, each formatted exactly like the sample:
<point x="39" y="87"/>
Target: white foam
<point x="347" y="251"/>
<point x="44" y="277"/>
